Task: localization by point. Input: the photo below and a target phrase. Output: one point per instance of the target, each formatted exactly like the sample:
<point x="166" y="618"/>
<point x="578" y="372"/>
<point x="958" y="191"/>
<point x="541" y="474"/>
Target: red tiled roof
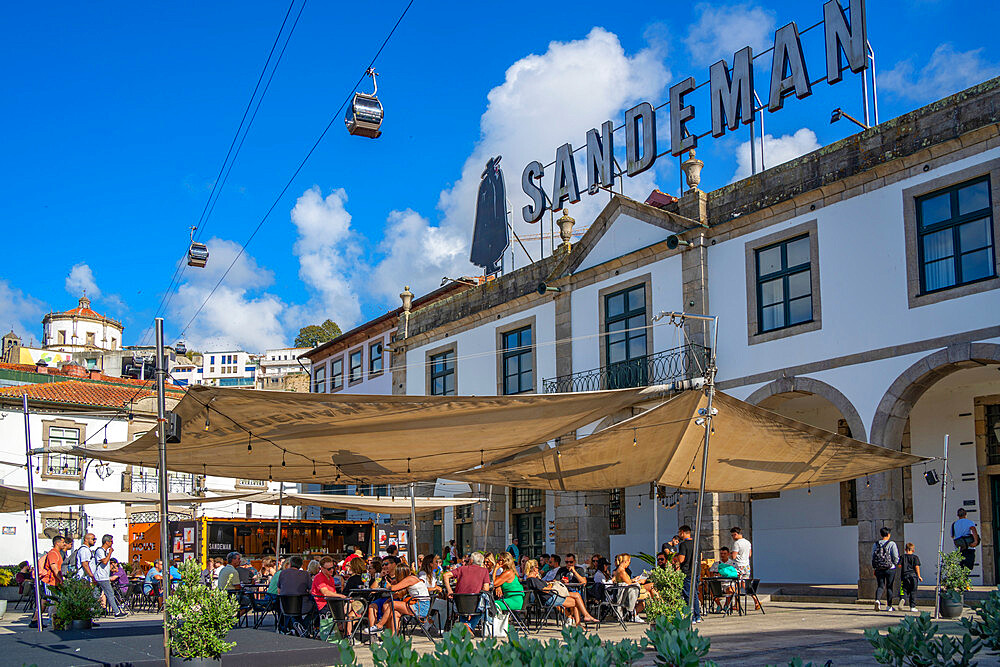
<point x="81" y="392"/>
<point x="59" y="373"/>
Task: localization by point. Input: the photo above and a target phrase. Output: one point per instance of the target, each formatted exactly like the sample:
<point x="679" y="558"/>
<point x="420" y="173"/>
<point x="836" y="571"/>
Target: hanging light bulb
<point x="105" y="434"/>
<point x="208" y="422"/>
<point x="269" y="478"/>
<point x="314" y="468"/>
<point x="868" y="482"/>
<point x="635" y="443"/>
<point x="282" y="458"/>
<point x="249" y="446"/>
<point x="808" y="490"/>
<point x="639" y="506"/>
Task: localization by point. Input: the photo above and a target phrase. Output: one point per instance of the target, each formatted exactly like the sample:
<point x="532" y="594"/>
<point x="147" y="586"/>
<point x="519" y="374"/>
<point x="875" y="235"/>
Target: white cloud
<point x="237" y="315"/>
<point x="20" y="313"/>
<point x="720" y="31"/>
<point x="329" y="257"/>
<point x="81" y="279"/>
<point x="544" y="101"/>
<point x="776" y="150"/>
<point x="947" y="71"/>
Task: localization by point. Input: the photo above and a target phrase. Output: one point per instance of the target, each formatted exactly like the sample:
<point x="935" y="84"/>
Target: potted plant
<point x="954" y="582"/>
<point x="76" y="604"/>
<point x="7" y="591"/>
<point x="199" y="618"/>
<point x="668" y="598"/>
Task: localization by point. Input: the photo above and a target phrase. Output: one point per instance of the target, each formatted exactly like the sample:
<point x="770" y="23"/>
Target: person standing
<point x="102" y="574"/>
<point x="741" y="552"/>
<point x="690" y="569"/>
<point x="885" y="557"/>
<point x="50" y="570"/>
<point x="910" y="572"/>
<point x="966" y="538"/>
<point x="514" y="550"/>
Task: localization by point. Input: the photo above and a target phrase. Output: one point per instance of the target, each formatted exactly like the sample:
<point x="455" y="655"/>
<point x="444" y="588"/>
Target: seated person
<point x="151" y="585"/>
<point x="378" y="608"/>
<point x="555" y="562"/>
<point x="663" y="561"/>
<point x="571" y="572"/>
<point x="506" y="587"/>
<point x="471" y="579"/>
<point x="229" y="576"/>
<point x="639" y="590"/>
<point x="571" y="603"/>
<point x="726" y="568"/>
<point x="414" y="587"/>
<point x="291" y="581"/>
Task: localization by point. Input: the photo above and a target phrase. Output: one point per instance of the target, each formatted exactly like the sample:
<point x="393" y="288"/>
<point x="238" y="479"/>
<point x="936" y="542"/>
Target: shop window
<point x="616" y="511"/>
<point x="355" y="366"/>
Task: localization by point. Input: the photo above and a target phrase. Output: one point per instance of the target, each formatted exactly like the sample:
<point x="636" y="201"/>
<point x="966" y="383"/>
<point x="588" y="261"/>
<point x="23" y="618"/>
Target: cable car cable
<point x="298" y="169"/>
<point x="179" y="270"/>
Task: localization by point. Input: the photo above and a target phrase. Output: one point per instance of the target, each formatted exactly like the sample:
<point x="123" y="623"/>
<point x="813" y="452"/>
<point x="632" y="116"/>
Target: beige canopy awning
<point x="751" y="450"/>
<point x="287" y="436"/>
<point x="376" y="504"/>
<point x="15" y="498"/>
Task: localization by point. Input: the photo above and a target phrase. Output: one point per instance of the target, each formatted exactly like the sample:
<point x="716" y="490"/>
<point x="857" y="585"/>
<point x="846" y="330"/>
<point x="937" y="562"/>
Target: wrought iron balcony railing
<point x="179" y="482"/>
<point x="679" y="363"/>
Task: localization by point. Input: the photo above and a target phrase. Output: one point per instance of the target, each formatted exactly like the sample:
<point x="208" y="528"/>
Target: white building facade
<point x="81" y="329"/>
<point x="276" y="364"/>
<point x="857" y="290"/>
<point x="228" y="368"/>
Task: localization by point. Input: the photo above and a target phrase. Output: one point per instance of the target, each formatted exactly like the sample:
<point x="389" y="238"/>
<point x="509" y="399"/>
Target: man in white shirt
<point x="102" y="574"/>
<point x="740" y="552"/>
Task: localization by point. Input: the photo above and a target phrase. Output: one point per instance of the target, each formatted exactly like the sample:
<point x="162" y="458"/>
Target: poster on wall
<point x="189" y="535"/>
<point x="9" y="530"/>
<point x="144" y="542"/>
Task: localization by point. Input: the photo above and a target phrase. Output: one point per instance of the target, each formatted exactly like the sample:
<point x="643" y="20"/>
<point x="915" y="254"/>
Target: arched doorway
<point x="954" y="391"/>
<point x="808" y="535"/>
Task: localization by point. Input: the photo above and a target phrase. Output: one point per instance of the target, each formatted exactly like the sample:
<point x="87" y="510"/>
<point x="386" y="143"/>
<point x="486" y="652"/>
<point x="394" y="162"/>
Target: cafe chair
<point x="719" y="597"/>
<point x="750" y="590"/>
<point x="614" y="599"/>
<point x="339" y="609"/>
<point x="466" y="605"/>
<point x="27" y="596"/>
<point x="514" y="615"/>
<point x="546" y="607"/>
<point x="417" y="622"/>
<point x="295" y="616"/>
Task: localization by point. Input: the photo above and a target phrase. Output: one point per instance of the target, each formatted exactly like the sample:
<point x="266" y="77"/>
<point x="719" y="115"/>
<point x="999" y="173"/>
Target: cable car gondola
<point x="197" y="252"/>
<point x="364" y="115"/>
<point x="180" y="348"/>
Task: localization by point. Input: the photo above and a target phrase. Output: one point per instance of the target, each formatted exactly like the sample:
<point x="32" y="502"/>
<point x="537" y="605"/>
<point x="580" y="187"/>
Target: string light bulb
<point x="868" y="482"/>
<point x="208" y="422"/>
<point x="249" y="437"/>
<point x="282" y="458"/>
<point x="635" y="443"/>
<point x="269" y="478"/>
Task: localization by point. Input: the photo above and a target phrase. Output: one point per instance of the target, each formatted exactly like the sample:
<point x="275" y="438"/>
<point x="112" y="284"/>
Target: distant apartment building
<point x="280" y="368"/>
<point x="229" y="368"/>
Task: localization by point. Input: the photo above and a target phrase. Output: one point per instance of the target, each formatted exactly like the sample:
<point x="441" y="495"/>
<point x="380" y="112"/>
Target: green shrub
<point x="676" y="644"/>
<point x="669" y="600"/>
<point x="954" y="575"/>
<point x="199" y="617"/>
<point x="456" y="649"/>
<point x="75" y="600"/>
<point x="915" y="642"/>
<point x="986" y="625"/>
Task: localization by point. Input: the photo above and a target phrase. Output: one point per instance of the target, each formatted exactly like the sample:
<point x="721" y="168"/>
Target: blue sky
<point x="118" y="117"/>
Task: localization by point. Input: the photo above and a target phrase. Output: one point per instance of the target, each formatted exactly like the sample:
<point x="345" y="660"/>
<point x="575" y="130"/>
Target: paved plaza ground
<point x="815" y="632"/>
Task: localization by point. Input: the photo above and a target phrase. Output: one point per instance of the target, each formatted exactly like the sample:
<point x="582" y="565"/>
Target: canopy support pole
<point x="413" y="529"/>
<point x="656" y="522"/>
<point x="161" y="434"/>
<point x="489" y="505"/>
<point x="31" y="510"/>
<point x="281" y="500"/>
<point x="944" y="497"/>
<point x="710" y="370"/>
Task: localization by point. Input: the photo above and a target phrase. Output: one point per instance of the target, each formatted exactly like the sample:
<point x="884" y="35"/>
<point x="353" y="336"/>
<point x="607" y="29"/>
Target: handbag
<point x="560" y="589"/>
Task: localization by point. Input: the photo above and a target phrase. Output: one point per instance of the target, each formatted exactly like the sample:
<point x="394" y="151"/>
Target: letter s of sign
<point x="533" y="212"/>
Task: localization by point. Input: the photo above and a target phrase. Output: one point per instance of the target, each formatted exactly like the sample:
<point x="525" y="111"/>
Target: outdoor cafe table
<point x="577" y="587"/>
<point x="372" y="594"/>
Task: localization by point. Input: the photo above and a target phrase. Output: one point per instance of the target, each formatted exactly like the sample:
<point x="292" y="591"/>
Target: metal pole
<point x="161" y="433"/>
<point x="710" y="386"/>
<point x="31" y="510"/>
<point x="864" y="93"/>
<point x="489" y="504"/>
<point x="753" y="148"/>
<point x="944" y="498"/>
<point x="413" y="529"/>
<point x="656" y="522"/>
<point x="871" y="56"/>
<point x="281" y="500"/>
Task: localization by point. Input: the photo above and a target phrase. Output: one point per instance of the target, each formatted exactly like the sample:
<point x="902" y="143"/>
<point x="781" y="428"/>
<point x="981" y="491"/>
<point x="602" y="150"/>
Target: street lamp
<point x="839" y="113"/>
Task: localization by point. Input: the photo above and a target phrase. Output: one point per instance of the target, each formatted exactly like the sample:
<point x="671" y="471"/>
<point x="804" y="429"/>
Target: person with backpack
<point x="966" y="538"/>
<point x="885" y="557"/>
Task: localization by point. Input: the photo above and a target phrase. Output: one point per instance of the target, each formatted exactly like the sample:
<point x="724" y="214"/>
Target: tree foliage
<point x="317" y="334"/>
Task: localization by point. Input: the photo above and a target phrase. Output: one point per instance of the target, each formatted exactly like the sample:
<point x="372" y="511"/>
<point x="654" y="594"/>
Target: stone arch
<point x="784" y="385"/>
<point x="894" y="408"/>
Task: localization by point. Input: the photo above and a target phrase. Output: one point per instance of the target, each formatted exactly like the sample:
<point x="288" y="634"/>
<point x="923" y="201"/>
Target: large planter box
<point x="9" y="593"/>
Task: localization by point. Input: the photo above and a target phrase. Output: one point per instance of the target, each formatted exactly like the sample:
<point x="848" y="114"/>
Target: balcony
<point x="679" y="363"/>
<point x="176" y="483"/>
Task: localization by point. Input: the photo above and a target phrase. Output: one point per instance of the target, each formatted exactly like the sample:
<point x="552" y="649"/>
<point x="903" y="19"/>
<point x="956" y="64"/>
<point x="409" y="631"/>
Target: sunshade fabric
<point x="368" y="438"/>
<point x="377" y="504"/>
<point x="751" y="449"/>
<point x="15" y="498"/>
